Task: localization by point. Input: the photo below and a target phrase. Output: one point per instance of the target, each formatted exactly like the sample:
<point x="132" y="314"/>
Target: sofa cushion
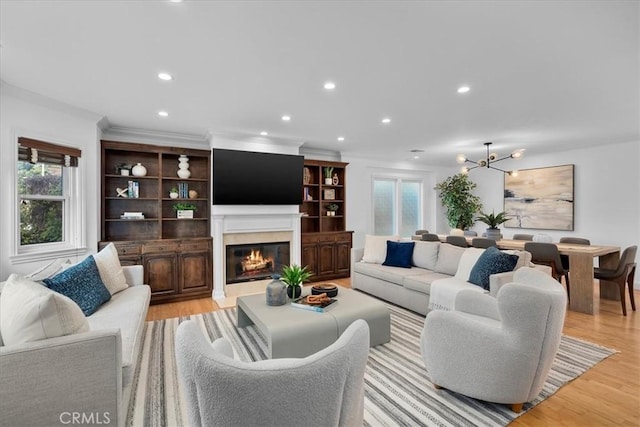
<point x="393" y="275"/>
<point x="375" y="248"/>
<point x="126" y="311"/>
<point x="422" y="282"/>
<point x="425" y="254"/>
<point x="81" y="283"/>
<point x="492" y="261"/>
<point x="399" y="254"/>
<point x="30" y="311"/>
<point x="443" y="292"/>
<point x="448" y="259"/>
<point x="467" y="261"/>
<point x="110" y="269"/>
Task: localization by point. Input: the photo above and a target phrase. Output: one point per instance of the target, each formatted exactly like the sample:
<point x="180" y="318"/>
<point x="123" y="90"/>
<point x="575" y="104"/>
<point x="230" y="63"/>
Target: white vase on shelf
<point x="139" y="170"/>
<point x="183" y="167"/>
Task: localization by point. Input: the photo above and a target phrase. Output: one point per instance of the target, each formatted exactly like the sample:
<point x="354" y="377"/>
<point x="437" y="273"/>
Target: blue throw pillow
<point x="492" y="261"/>
<point x="81" y="283"/>
<point x="399" y="254"/>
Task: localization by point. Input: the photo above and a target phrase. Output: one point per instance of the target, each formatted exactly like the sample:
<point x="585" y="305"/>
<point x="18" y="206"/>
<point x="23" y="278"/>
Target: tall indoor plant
<point x="460" y="203"/>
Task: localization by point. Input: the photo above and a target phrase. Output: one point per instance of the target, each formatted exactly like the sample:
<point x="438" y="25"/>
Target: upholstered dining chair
<point x="481" y="242"/>
<point x="326" y="388"/>
<point x="528" y="237"/>
<point x="573" y="241"/>
<point x="470" y="233"/>
<point x="514" y="338"/>
<point x="420" y="232"/>
<point x="457" y="241"/>
<point x="547" y="254"/>
<point x="430" y="237"/>
<point x="624" y="272"/>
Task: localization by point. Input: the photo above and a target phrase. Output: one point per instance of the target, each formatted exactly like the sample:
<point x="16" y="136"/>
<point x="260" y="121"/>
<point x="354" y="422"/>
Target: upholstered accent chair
<point x="326" y="388"/>
<point x="497" y="349"/>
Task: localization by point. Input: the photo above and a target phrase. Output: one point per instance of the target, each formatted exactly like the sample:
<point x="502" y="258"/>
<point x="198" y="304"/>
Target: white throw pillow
<point x="425" y="254"/>
<point x="110" y="269"/>
<point x="49" y="270"/>
<point x="448" y="259"/>
<point x="375" y="248"/>
<point x="467" y="261"/>
<point x="30" y="311"/>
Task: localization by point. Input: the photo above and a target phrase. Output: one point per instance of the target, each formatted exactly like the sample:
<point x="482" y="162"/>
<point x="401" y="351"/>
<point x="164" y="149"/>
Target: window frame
<point x="73" y="224"/>
<point x="398" y="180"/>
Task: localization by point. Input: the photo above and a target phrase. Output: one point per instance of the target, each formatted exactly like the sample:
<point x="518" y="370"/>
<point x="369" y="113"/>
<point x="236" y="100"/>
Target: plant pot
<point x="185" y="214"/>
<point x="294" y="292"/>
<point x="173" y="195"/>
<point x="493" y="233"/>
<point x="328" y="181"/>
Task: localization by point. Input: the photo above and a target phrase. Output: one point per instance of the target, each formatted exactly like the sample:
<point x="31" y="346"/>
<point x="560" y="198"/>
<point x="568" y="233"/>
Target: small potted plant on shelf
<point x="331" y="209"/>
<point x="293" y="276"/>
<point x="184" y="210"/>
<point x="328" y="175"/>
<point x="173" y="193"/>
<point x="493" y="221"/>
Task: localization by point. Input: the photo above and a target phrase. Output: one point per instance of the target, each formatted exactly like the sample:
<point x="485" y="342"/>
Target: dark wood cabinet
<point x="327" y="255"/>
<point x="176" y="252"/>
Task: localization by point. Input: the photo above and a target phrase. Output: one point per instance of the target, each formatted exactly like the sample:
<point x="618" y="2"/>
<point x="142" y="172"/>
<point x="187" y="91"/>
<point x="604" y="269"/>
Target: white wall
<point x="30" y="115"/>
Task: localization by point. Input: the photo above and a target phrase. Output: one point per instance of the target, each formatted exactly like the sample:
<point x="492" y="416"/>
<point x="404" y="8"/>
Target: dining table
<point x="581" y="261"/>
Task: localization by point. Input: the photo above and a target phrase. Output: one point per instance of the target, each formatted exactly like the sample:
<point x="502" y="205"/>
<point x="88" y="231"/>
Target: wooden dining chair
<point x="573" y="241"/>
<point x="457" y="241"/>
<point x="547" y="254"/>
<point x="624" y="273"/>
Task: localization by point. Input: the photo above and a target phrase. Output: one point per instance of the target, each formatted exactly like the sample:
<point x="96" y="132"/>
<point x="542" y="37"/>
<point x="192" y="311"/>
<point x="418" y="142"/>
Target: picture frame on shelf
<point x="329" y="194"/>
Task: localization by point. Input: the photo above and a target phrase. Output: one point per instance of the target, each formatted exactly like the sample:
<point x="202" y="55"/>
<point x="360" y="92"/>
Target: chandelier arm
<point x="472" y="168"/>
<point x="471" y="161"/>
<point x="501" y="170"/>
<point x="503" y="158"/>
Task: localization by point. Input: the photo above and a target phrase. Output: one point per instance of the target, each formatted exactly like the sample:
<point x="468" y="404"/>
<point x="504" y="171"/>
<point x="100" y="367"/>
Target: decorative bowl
<point x="325" y="288"/>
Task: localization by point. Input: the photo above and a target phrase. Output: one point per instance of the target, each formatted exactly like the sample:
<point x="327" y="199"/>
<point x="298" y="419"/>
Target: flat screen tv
<point x="251" y="178"/>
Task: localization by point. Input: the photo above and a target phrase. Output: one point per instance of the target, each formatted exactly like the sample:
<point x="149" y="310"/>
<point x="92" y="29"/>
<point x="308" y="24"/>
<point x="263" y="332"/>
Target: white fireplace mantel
<point x="232" y="219"/>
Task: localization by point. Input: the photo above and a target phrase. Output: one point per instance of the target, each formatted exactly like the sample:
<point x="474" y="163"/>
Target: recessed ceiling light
<point x="329" y="85"/>
<point x="286" y="118"/>
<point x="163" y="113"/>
<point x="416" y="157"/>
<point x="263" y="133"/>
<point x="386" y="120"/>
<point x="341" y="138"/>
<point x="464" y="89"/>
<point x="175" y="1"/>
<point x="165" y="76"/>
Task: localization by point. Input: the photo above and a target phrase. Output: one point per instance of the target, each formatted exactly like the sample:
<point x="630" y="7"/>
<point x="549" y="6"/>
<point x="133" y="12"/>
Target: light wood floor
<point x="607" y="395"/>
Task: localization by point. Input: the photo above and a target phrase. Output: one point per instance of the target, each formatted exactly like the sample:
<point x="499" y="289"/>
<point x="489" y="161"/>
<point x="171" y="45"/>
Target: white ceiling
<point x="544" y="75"/>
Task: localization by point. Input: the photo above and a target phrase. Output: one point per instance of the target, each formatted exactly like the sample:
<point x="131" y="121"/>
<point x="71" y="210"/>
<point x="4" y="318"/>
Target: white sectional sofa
<point x="84" y="376"/>
<point x="434" y="266"/>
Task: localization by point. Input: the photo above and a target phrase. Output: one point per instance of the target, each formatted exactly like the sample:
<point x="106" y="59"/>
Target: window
<point x="397" y="206"/>
<point x="46" y="213"/>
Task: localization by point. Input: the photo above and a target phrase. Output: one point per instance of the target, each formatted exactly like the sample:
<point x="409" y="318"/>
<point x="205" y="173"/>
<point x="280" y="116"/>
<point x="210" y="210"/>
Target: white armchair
<point x="497" y="349"/>
<point x="324" y="389"/>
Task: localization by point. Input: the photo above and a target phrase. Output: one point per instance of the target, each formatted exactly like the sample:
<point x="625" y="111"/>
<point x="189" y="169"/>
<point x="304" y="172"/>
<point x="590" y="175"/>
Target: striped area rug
<point x="397" y="391"/>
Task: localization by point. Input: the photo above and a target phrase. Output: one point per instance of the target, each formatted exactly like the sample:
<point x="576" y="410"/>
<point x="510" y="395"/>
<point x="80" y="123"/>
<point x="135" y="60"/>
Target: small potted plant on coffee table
<point x="493" y="221"/>
<point x="293" y="276"/>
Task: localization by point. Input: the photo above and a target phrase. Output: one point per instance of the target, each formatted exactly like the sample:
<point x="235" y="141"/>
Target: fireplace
<point x="255" y="261"/>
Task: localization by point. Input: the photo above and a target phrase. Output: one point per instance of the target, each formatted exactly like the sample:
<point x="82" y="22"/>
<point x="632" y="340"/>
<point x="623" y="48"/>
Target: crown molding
<point x="154" y="136"/>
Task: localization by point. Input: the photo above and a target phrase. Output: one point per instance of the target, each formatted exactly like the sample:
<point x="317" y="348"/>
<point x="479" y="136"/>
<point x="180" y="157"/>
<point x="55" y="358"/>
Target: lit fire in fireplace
<point x="255" y="261"/>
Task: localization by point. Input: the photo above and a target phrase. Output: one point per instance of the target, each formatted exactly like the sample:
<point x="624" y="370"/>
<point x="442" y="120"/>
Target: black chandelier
<point x="489" y="161"/>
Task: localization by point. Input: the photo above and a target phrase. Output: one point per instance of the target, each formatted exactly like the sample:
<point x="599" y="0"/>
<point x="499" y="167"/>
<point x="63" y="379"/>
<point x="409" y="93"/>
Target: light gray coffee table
<point x="295" y="332"/>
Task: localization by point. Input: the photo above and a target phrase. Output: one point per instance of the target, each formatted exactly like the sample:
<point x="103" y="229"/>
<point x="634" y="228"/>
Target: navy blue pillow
<point x="81" y="283"/>
<point x="492" y="261"/>
<point x="399" y="254"/>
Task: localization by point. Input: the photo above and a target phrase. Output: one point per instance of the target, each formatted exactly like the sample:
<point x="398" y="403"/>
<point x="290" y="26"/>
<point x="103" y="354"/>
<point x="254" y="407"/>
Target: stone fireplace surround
<point x="250" y="224"/>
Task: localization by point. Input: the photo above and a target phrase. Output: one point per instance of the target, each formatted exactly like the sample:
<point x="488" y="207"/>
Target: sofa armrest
<point x="134" y="274"/>
<point x="498" y="280"/>
<point x="356" y="256"/>
<point x="44" y="382"/>
<point x="476" y="303"/>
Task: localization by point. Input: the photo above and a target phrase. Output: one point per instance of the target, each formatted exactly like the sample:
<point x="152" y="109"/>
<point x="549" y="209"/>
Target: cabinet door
<point x="310" y="258"/>
<point x="343" y="257"/>
<point x="161" y="272"/>
<point x="326" y="258"/>
<point x="196" y="273"/>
